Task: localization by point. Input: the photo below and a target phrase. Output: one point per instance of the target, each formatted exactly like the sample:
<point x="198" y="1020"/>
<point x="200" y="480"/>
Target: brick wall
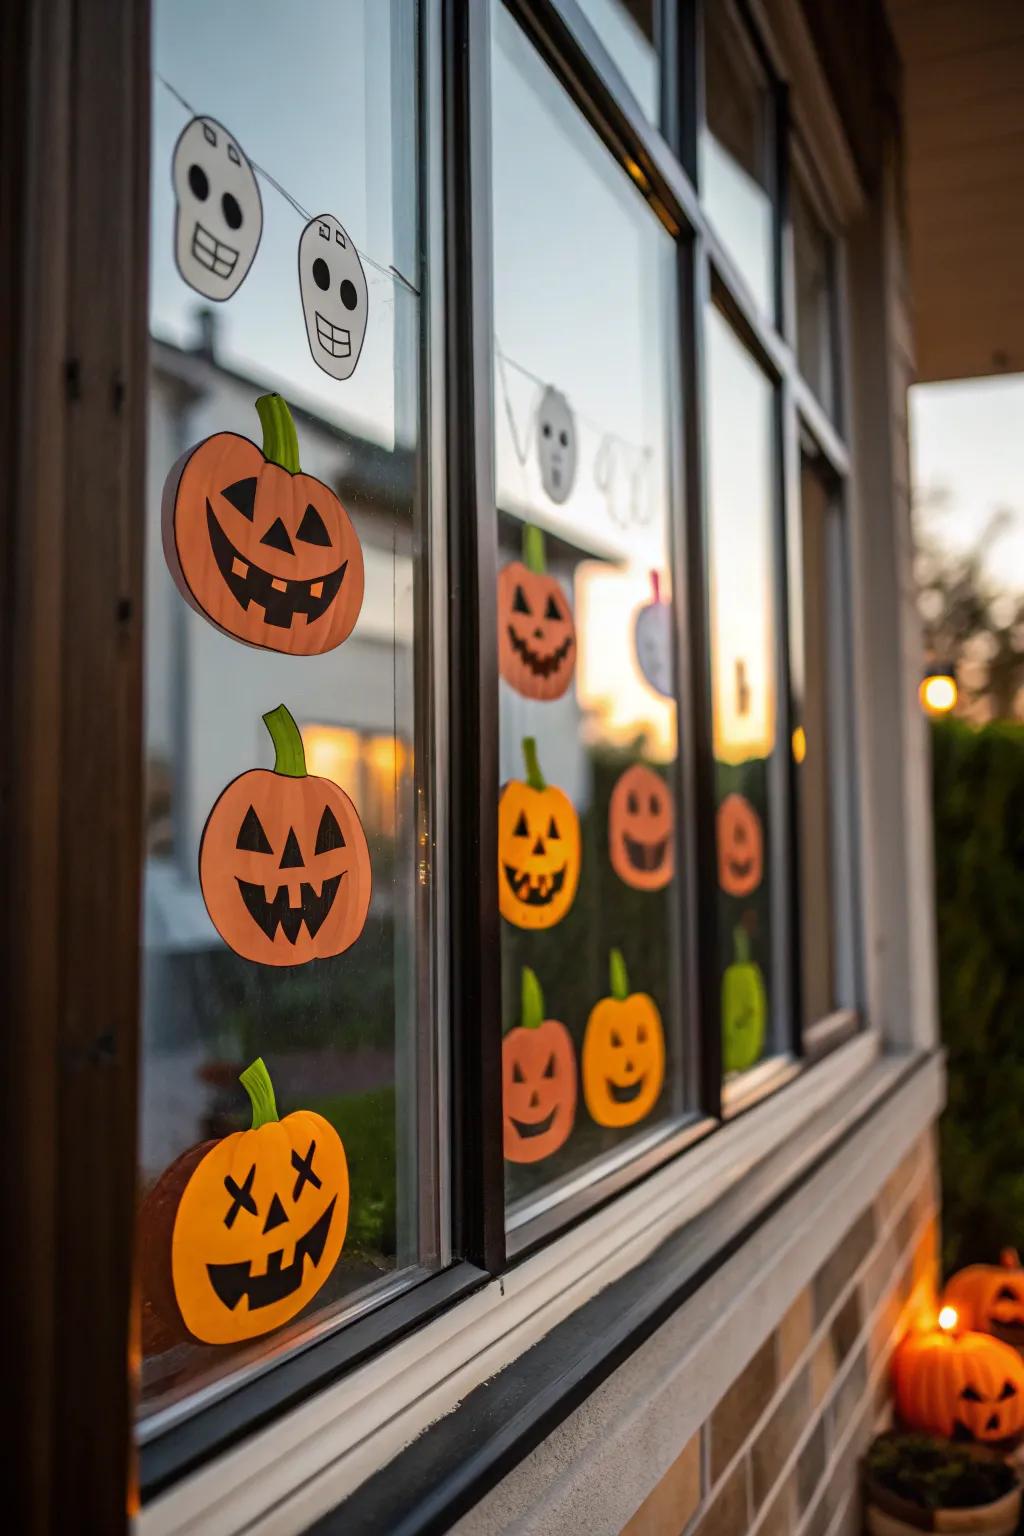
<point x="779" y="1452"/>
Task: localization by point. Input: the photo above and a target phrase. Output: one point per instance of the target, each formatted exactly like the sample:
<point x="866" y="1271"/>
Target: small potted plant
<point x="916" y="1483"/>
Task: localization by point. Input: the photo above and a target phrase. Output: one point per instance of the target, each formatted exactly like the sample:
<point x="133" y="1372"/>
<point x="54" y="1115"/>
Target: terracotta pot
<point x="888" y="1515"/>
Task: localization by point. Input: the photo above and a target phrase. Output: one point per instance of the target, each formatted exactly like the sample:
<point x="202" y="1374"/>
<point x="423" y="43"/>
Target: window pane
<point x="812" y="253"/>
<point x="582" y="272"/>
<point x="744" y="660"/>
<point x="262" y="939"/>
<point x="626" y="27"/>
<point x="735" y="154"/>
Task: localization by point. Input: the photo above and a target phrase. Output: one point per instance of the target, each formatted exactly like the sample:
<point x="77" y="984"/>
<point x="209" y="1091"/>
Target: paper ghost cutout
<point x="219" y="216"/>
<point x="556" y="444"/>
<point x="652" y="639"/>
<point x="335" y="299"/>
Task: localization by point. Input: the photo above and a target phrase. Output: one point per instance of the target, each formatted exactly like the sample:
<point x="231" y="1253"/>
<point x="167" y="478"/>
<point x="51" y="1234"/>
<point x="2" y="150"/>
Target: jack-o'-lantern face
<point x="538" y="1063"/>
<point x="990" y="1297"/>
<point x="283" y="863"/>
<point x="536" y="634"/>
<point x="266" y="553"/>
<point x="538" y="849"/>
<point x="740" y="846"/>
<point x="640" y="829"/>
<point x="260" y="1223"/>
<point x="623" y="1053"/>
<point x="961" y="1385"/>
<point x="744" y="1009"/>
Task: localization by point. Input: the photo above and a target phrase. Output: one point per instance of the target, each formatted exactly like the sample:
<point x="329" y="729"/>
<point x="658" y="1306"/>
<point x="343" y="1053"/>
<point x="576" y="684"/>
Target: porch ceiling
<point x="964" y="102"/>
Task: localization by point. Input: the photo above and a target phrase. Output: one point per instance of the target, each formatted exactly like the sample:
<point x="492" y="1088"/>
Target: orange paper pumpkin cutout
<point x="538" y="849"/>
<point x="239" y="1234"/>
<point x="536" y="632"/>
<point x="740" y="846"/>
<point x="641" y="823"/>
<point x="959" y="1384"/>
<point x="283" y="862"/>
<point x="538" y="1070"/>
<point x="990" y="1298"/>
<point x="264" y="552"/>
<point x="623" y="1053"/>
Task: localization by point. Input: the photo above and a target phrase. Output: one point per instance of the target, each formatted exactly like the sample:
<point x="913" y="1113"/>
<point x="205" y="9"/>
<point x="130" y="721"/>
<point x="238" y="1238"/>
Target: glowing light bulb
<point x="938" y="693"/>
<point x="948" y="1318"/>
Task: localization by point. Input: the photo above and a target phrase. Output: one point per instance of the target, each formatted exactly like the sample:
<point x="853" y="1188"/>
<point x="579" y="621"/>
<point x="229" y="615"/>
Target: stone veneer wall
<point x="779" y="1453"/>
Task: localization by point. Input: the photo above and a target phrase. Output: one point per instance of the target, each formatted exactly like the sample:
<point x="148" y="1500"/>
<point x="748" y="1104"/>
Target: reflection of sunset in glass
<point x="609" y="683"/>
<point x="367" y="768"/>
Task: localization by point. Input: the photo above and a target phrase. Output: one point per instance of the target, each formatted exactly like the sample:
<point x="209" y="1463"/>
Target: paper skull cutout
<point x="219" y="216"/>
<point x="335" y="299"/>
<point x="652" y="637"/>
<point x="556" y="444"/>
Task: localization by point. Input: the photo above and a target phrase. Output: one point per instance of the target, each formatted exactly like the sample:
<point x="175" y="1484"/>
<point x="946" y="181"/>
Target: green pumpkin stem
<point x="289" y="753"/>
<point x="534" y="777"/>
<point x="618" y="977"/>
<point x="280" y="440"/>
<point x="741" y="944"/>
<point x="533" y="549"/>
<point x="256" y="1082"/>
<point x="532" y="1011"/>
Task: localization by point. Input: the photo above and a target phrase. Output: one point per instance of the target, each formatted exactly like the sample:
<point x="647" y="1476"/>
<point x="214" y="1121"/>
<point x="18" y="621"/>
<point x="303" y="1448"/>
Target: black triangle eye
<point x="616" y="1040"/>
<point x="632" y="804"/>
<point x="311" y="529"/>
<point x="519" y="603"/>
<point x="549" y="1070"/>
<point x="1009" y="1390"/>
<point x="251" y="836"/>
<point x="655" y="805"/>
<point x="522" y="830"/>
<point x="1006" y="1293"/>
<point x="329" y="834"/>
<point x="641" y="1034"/>
<point x="276" y="537"/>
<point x="552" y="829"/>
<point x="971" y="1395"/>
<point x="517" y="1073"/>
<point x="552" y="611"/>
<point x="242" y="496"/>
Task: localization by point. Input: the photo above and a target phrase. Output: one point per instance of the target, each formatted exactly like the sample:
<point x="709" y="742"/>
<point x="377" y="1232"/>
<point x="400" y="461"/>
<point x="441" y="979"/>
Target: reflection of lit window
<point x="368" y="769"/>
<point x="609" y="682"/>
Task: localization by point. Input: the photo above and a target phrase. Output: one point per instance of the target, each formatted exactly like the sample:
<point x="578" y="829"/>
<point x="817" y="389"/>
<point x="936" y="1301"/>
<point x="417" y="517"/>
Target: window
<point x="750" y="761"/>
<point x="586" y="644"/>
<point x="736" y="149"/>
<point x="619" y="531"/>
<point x="258" y="940"/>
<point x="626" y="28"/>
<point x="813" y="270"/>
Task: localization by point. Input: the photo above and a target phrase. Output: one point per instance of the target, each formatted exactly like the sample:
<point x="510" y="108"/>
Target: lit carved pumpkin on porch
<point x="536" y="633"/>
<point x="266" y="553"/>
<point x="960" y="1384"/>
<point x="640" y="829"/>
<point x="990" y="1298"/>
<point x="623" y="1053"/>
<point x="538" y="848"/>
<point x="538" y="1071"/>
<point x="238" y="1235"/>
<point x="283" y="861"/>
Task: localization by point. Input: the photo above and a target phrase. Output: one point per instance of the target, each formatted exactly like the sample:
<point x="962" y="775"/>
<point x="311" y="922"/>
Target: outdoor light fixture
<point x="938" y="691"/>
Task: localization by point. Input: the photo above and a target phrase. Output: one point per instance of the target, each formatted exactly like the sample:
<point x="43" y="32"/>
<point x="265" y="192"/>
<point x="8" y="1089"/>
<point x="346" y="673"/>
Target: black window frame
<point x="454" y="47"/>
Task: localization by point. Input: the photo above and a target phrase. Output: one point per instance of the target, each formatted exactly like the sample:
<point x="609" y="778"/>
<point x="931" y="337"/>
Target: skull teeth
<point x="334" y="339"/>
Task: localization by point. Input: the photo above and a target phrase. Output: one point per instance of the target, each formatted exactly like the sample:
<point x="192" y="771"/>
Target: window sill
<point x="305" y="1464"/>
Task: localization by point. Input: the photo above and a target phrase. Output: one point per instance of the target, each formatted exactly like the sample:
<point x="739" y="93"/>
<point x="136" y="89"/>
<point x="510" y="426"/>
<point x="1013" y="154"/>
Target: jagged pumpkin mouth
<point x="534" y="890"/>
<point x="234" y="1283"/>
<point x="646" y="857"/>
<point x="528" y="1128"/>
<point x="277" y="912"/>
<point x="540" y="664"/>
<point x="282" y="601"/>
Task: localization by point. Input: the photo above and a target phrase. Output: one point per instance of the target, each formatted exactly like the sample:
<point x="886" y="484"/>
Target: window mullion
<point x="789" y="691"/>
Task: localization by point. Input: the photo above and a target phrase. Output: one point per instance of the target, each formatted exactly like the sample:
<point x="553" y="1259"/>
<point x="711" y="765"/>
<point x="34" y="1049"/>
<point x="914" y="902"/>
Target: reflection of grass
<point x="366" y="1124"/>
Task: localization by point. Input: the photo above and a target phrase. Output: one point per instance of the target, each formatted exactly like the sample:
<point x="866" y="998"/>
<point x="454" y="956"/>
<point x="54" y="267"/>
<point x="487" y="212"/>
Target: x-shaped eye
<point x="519" y="603"/>
<point x="304" y="1168"/>
<point x="971" y="1395"/>
<point x="552" y="610"/>
<point x="517" y="1073"/>
<point x="242" y="1198"/>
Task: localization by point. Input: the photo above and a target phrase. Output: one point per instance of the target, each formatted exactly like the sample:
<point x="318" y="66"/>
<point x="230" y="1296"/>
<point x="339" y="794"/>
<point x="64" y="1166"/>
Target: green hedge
<point x="979" y="867"/>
